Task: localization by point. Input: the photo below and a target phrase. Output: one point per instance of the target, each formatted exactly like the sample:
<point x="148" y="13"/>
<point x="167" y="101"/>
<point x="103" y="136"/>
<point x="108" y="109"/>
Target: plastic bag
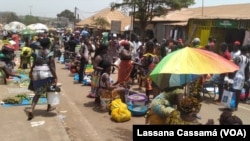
<point x="120" y="114"/>
<point x="228" y="99"/>
<point x="117" y="103"/>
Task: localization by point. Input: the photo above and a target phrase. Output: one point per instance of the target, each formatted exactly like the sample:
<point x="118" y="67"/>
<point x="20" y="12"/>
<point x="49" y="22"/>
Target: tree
<point x="28" y="19"/>
<point x="67" y="14"/>
<point x="10" y="17"/>
<point x="145" y="10"/>
<point x="101" y="22"/>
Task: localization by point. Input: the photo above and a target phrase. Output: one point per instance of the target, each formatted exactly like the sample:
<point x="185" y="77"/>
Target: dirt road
<point x="84" y="121"/>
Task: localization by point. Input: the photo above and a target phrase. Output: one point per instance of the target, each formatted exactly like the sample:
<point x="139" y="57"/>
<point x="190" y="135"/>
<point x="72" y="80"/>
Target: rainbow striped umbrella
<point x="187" y="63"/>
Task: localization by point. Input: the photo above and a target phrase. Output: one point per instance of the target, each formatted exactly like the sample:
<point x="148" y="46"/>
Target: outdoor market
<point x="124" y="73"/>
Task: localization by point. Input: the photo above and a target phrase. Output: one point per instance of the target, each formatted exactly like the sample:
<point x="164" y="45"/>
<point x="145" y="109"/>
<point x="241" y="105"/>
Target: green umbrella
<point x="28" y="31"/>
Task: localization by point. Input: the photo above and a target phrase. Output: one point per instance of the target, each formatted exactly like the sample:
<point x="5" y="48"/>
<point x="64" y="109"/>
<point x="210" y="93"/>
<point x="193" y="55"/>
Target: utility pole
<point x="75" y="17"/>
<point x="30" y="10"/>
<point x="202" y="8"/>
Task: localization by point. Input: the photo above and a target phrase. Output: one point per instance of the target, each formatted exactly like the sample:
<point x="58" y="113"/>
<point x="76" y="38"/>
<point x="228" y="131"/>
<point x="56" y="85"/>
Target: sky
<point x="85" y="8"/>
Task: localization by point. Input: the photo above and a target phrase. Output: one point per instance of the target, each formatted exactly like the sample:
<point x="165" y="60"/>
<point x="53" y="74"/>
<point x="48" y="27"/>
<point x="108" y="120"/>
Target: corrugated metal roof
<point x="109" y="16"/>
<point x="236" y="11"/>
<point x="177" y="23"/>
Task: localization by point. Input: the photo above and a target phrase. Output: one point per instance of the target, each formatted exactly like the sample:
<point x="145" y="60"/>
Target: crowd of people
<point x="233" y="81"/>
<point x="133" y="60"/>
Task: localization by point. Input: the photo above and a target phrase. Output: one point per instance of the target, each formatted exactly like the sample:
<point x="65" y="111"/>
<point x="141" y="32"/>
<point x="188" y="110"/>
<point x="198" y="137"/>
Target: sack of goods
<point x="119" y="111"/>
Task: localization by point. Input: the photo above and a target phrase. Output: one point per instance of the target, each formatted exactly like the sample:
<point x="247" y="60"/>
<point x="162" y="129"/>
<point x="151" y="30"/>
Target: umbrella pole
<point x="187" y="87"/>
<point x="185" y="90"/>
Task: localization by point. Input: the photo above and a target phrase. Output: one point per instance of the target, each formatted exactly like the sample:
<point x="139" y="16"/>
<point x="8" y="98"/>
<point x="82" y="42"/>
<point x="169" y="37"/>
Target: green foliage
<point x="16" y="99"/>
<point x="146" y="10"/>
<point x="67" y="14"/>
<point x="10" y="17"/>
<point x="12" y="100"/>
<point x="28" y="19"/>
<point x="23" y="96"/>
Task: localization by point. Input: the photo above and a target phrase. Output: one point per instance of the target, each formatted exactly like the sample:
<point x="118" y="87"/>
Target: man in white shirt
<point x="236" y="50"/>
<point x="136" y="46"/>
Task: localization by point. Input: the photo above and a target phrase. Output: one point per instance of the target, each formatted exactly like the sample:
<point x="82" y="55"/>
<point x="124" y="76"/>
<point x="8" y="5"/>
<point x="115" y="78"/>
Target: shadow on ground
<point x="41" y="112"/>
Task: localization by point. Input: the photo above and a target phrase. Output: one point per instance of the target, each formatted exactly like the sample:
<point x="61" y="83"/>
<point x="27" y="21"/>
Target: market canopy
<point x="38" y="27"/>
<point x="14" y="26"/>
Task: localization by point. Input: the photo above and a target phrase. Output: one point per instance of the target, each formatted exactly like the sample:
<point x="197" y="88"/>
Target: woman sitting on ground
<point x="186" y="114"/>
<point x="171" y="108"/>
<point x="163" y="104"/>
<point x="7" y="72"/>
<point x="105" y="86"/>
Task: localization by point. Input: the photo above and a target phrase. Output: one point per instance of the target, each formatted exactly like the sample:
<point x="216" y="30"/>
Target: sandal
<point x="91" y="95"/>
<point x="30" y="116"/>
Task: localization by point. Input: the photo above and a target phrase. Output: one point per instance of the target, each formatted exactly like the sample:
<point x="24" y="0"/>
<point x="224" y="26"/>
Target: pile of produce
<point x="22" y="71"/>
<point x="24" y="83"/>
<point x="16" y="99"/>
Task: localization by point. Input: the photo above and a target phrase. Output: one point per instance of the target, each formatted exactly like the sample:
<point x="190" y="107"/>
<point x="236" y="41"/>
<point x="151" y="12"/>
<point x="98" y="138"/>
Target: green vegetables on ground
<point x="16" y="99"/>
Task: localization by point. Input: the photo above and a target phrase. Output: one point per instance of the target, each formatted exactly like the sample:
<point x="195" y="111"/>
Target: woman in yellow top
<point x="149" y="61"/>
<point x="25" y="57"/>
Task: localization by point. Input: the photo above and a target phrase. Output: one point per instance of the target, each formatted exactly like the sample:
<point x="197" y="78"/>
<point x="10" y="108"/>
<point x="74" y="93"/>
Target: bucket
<point x="53" y="98"/>
<point x="120" y="93"/>
<point x="138" y="99"/>
<point x="105" y="102"/>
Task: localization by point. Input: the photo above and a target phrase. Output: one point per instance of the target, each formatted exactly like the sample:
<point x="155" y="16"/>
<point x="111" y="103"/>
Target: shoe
<point x="30" y="116"/>
<point x="50" y="108"/>
<point x="91" y="95"/>
<point x="217" y="102"/>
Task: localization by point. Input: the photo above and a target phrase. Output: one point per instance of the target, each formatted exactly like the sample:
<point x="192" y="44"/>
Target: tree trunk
<point x="142" y="27"/>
